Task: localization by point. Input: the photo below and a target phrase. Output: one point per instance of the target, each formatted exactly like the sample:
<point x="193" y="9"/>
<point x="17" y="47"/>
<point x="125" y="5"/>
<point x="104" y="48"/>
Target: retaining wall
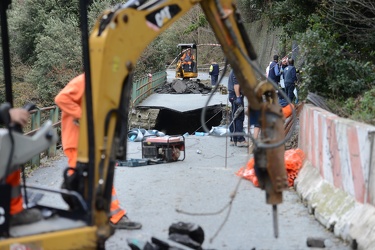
<point x="338" y="178"/>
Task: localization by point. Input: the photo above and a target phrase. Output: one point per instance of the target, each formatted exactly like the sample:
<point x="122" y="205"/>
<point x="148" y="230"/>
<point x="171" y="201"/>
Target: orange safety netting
<point x="293" y="163"/>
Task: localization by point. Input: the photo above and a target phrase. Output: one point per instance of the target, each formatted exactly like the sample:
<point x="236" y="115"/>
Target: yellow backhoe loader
<point x="110" y="53"/>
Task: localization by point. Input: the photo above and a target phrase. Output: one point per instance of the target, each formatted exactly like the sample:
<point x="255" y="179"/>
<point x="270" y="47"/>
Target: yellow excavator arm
<point x="118" y="39"/>
<point x="116" y="43"/>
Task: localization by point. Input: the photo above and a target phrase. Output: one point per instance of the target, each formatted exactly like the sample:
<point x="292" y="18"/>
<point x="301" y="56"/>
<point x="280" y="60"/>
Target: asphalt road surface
<point x="202" y="183"/>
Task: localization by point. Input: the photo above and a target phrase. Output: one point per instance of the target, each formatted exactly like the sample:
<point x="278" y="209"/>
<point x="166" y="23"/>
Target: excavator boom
<point x="116" y="43"/>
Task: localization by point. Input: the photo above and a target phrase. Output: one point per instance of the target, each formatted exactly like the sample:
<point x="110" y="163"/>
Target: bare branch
<point x="356" y="17"/>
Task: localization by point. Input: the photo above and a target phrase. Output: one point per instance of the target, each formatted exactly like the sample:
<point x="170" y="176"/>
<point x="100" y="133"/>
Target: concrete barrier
<point x="337" y="181"/>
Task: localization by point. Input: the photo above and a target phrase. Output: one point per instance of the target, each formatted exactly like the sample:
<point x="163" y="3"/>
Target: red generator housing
<point x="165" y="148"/>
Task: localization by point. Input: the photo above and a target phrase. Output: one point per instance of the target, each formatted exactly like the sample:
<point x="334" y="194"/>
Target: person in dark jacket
<point x="214" y="73"/>
<point x="274" y="70"/>
<point x="237" y="101"/>
<point x="290" y="78"/>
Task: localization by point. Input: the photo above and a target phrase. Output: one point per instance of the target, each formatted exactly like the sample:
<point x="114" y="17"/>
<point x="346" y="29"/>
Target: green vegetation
<point x="360" y="108"/>
<point x="46" y="50"/>
<point x="337" y="51"/>
<point x="336" y="46"/>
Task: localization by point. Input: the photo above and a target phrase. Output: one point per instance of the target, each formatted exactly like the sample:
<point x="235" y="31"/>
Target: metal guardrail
<point x="141" y="90"/>
<point x="36" y="120"/>
<point x="144" y="87"/>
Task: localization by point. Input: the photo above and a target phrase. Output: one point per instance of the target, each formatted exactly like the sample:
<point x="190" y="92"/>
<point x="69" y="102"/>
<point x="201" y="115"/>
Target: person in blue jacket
<point x="290" y="78"/>
<point x="214" y="73"/>
<point x="236" y="99"/>
<point x="274" y="70"/>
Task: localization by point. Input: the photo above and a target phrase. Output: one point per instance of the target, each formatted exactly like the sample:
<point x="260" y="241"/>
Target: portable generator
<point x="165" y="148"/>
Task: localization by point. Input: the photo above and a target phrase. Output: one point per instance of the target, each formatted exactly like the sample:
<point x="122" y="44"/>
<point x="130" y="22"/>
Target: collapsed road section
<point x="179" y="113"/>
<point x="173" y="122"/>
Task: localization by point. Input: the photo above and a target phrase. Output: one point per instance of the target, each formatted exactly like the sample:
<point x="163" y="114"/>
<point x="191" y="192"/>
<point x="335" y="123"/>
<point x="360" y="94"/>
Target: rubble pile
<point x="178" y="86"/>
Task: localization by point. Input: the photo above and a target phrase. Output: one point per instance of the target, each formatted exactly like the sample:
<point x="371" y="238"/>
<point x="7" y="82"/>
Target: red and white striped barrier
<point x="337" y="181"/>
<point x="342" y="150"/>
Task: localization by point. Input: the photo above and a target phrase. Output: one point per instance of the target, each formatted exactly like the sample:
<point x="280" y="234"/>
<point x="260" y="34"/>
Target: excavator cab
<point x="187" y="64"/>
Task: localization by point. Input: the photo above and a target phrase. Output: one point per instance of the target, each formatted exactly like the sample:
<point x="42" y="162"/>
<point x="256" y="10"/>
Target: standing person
<point x="214" y="73"/>
<point x="19" y="215"/>
<point x="69" y="101"/>
<point x="274" y="71"/>
<point x="284" y="64"/>
<point x="290" y="78"/>
<point x="237" y="101"/>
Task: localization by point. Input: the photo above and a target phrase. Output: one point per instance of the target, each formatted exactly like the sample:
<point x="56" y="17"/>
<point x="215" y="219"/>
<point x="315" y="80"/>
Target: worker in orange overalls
<point x="188" y="59"/>
<point x="19" y="215"/>
<point x="69" y="101"/>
